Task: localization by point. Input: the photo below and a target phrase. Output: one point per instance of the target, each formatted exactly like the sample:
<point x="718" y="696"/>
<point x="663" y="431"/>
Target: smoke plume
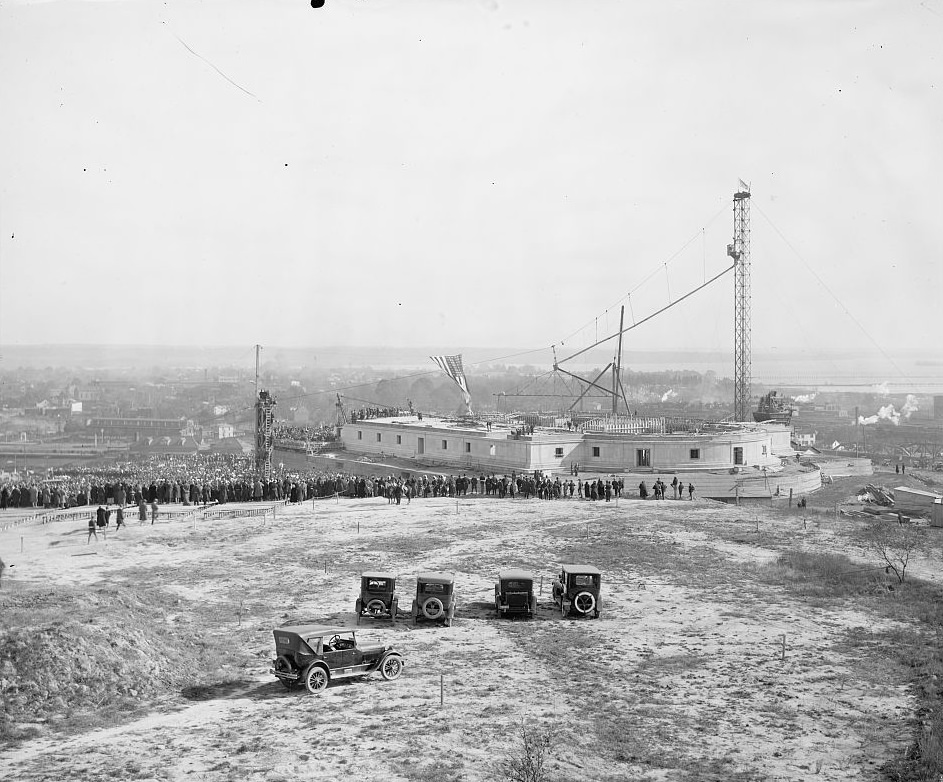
<point x="889" y="413"/>
<point x="669" y="394"/>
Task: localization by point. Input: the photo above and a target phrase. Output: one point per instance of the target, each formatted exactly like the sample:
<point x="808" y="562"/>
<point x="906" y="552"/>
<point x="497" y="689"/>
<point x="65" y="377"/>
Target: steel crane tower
<point x="739" y="250"/>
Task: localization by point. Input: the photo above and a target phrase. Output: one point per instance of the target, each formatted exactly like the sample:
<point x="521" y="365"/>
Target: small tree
<point x="530" y="765"/>
<point x="894" y="544"/>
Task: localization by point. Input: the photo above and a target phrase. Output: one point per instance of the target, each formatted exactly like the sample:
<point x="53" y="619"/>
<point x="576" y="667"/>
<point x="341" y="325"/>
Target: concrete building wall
<point x="593" y="451"/>
<point x="443" y="445"/>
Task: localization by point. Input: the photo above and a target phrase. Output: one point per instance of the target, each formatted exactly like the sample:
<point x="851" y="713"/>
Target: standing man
<point x="153" y="511"/>
<point x="119" y="518"/>
<point x="91" y="529"/>
<point x="690" y="491"/>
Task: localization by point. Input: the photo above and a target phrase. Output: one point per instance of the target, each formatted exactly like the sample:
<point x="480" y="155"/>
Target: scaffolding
<point x="264" y="433"/>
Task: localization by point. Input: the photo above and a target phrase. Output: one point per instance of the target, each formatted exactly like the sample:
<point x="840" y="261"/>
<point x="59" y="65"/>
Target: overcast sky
<point x="456" y="173"/>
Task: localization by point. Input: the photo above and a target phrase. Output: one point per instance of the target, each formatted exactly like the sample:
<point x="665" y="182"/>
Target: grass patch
<point x="916" y="644"/>
<point x="436" y="771"/>
<point x="830" y="577"/>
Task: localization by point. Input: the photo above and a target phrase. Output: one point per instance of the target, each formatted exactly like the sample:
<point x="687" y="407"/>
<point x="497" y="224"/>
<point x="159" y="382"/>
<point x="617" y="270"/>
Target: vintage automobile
<point x="576" y="590"/>
<point x="315" y="655"/>
<point x="514" y="593"/>
<point x="378" y="598"/>
<point x="435" y="598"/>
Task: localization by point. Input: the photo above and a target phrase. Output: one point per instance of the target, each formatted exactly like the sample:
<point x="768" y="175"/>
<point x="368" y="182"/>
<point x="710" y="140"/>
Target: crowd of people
<point x="367" y="413"/>
<point x="198" y="479"/>
<point x="305" y="434"/>
<point x="660" y="489"/>
<point x="187" y="479"/>
<point x="524" y="486"/>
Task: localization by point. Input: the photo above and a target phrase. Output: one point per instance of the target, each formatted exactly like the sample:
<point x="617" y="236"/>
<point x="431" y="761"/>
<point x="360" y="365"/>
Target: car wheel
<point x="432" y="608"/>
<point x="316" y="679"/>
<point x="584" y="602"/>
<point x="376" y="607"/>
<point x="391" y="667"/>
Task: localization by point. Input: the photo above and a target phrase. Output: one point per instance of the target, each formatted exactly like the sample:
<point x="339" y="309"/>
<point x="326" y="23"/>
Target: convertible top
<point x="436" y="578"/>
<point x="515" y="574"/>
<point x="312" y="631"/>
<point x="590" y="570"/>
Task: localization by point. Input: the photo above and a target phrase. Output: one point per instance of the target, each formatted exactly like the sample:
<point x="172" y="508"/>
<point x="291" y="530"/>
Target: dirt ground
<point x="700" y="667"/>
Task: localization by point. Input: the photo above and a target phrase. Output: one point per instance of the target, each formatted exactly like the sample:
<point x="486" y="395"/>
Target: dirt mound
<point x="65" y="656"/>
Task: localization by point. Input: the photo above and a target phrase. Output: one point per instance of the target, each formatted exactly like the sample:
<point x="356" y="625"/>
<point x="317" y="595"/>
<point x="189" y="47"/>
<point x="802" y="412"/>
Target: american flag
<point x="452" y="366"/>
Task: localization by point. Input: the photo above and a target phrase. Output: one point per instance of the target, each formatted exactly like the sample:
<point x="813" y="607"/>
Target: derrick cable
<point x="643" y="320"/>
<point x="657" y="269"/>
<point x="829" y="291"/>
<point x="540" y="349"/>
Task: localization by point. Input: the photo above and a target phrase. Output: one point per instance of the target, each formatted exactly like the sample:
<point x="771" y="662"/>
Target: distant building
<point x="138" y="427"/>
<point x="805" y="439"/>
<point x="89" y="394"/>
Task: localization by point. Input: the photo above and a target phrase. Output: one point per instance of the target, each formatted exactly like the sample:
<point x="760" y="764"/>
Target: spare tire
<point x="584" y="602"/>
<point x="284" y="665"/>
<point x="376" y="606"/>
<point x="433" y="608"/>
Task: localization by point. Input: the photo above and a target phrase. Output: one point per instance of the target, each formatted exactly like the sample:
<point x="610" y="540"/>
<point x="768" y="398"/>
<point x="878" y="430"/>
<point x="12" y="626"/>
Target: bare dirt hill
<point x="147" y="656"/>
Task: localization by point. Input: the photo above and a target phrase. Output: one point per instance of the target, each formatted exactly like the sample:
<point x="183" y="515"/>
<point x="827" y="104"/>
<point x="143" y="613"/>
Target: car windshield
<point x="378" y="585"/>
<point x="338" y="642"/>
<point x="518" y="586"/>
<point x="583" y="580"/>
<point x="434" y="588"/>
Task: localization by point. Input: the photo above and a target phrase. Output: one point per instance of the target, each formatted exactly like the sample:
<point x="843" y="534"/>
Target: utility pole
<point x="617" y="368"/>
<point x="257" y="349"/>
<point x="256" y="408"/>
<point x="739" y="250"/>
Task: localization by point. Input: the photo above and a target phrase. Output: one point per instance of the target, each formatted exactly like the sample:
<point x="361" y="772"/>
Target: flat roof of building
<point x="502" y="431"/>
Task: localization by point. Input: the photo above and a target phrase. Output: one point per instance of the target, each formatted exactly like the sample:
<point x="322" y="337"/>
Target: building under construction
<point x="739" y="451"/>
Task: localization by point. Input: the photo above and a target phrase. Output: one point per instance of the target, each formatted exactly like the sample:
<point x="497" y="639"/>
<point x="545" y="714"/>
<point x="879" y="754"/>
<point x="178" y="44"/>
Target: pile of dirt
<point x="65" y="656"/>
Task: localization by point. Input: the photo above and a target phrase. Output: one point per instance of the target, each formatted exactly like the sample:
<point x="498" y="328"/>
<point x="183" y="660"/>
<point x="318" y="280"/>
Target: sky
<point x="458" y="173"/>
